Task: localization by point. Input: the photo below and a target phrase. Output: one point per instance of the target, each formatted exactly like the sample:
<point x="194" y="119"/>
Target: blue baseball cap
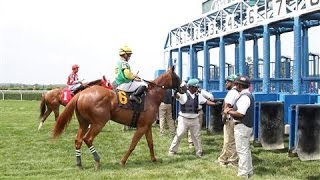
<point x="193" y="82"/>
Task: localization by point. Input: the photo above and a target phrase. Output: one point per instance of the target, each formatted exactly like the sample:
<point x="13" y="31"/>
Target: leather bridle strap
<point x="160" y="86"/>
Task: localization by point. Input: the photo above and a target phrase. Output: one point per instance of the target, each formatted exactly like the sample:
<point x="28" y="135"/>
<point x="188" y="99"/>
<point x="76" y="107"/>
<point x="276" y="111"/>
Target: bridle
<point x="176" y="81"/>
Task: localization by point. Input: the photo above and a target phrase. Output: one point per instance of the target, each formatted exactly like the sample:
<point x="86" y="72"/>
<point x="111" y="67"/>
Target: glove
<point x="176" y="95"/>
<point x="219" y="103"/>
<point x="136" y="78"/>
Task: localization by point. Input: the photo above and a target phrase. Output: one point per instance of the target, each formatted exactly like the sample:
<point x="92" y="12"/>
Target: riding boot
<point x="80" y="88"/>
<point x="136" y="96"/>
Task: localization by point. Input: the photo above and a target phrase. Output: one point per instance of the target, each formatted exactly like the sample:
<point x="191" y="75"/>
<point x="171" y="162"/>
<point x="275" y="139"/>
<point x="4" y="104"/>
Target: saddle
<point x="125" y="103"/>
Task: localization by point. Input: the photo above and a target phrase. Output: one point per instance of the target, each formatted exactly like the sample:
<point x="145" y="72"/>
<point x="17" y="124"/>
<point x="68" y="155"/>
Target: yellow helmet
<point x="125" y="50"/>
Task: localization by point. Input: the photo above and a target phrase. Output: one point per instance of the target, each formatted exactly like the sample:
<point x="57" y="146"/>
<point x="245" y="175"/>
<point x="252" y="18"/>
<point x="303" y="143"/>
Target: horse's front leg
<point x="135" y="139"/>
<point x="150" y="144"/>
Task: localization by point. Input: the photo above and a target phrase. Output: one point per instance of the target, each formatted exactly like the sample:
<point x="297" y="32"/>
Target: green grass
<point x="29" y="154"/>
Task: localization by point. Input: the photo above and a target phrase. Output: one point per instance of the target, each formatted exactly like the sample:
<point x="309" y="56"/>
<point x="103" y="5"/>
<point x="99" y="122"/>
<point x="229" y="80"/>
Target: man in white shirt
<point x="208" y="96"/>
<point x="189" y="117"/>
<point x="228" y="154"/>
<point x="243" y="113"/>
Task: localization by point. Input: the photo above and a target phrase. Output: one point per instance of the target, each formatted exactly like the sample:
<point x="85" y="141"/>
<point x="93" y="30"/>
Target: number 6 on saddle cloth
<point x="124" y="102"/>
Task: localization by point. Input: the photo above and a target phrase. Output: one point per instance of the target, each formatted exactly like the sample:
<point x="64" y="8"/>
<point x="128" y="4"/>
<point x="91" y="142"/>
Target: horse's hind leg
<point x="150" y="144"/>
<point x="78" y="141"/>
<point x="94" y="130"/>
<point x="135" y="139"/>
<point x="44" y="117"/>
<point x="56" y="113"/>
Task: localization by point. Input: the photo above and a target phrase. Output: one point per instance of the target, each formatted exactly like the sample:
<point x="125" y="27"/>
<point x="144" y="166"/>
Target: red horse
<point x="51" y="100"/>
<point x="95" y="106"/>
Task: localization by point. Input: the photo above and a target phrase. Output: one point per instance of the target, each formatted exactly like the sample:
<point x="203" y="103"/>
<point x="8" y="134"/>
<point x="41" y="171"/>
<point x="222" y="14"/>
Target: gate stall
<point x="277" y="81"/>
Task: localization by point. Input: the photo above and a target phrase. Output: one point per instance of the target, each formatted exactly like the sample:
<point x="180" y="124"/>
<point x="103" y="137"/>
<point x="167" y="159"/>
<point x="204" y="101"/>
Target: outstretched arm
<point x="211" y="103"/>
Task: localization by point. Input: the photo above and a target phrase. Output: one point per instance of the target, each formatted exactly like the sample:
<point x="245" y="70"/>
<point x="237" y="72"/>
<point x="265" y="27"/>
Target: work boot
<point x="136" y="96"/>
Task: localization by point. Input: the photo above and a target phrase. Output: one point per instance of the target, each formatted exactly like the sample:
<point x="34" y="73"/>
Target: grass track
<point x="29" y="154"/>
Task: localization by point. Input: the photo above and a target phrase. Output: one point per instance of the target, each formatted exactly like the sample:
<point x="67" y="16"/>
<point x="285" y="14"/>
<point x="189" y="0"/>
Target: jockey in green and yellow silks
<point x="125" y="80"/>
<point x="123" y="71"/>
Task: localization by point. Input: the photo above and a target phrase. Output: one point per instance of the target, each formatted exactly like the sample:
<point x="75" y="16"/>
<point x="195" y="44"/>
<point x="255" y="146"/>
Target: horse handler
<point x="189" y="117"/>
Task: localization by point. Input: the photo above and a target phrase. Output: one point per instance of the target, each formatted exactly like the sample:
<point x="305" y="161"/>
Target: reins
<point x="150" y="82"/>
<point x="166" y="87"/>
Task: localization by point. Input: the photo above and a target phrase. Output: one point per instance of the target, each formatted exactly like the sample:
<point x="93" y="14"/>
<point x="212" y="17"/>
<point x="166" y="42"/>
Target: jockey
<point x="125" y="80"/>
<point x="73" y="81"/>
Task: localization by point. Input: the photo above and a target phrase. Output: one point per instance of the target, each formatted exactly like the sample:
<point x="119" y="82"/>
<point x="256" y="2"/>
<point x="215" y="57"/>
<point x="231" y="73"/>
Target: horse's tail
<point x="42" y="105"/>
<point x="65" y="117"/>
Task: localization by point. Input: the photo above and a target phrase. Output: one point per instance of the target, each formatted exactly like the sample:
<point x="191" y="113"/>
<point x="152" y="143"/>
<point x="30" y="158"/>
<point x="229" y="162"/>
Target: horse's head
<point x="168" y="80"/>
<point x="176" y="83"/>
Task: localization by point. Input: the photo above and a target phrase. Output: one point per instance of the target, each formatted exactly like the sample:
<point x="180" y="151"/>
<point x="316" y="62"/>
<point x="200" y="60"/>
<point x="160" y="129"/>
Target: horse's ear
<point x="172" y="68"/>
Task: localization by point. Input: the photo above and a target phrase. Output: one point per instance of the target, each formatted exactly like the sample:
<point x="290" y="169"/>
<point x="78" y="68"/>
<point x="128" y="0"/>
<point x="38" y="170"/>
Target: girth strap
<point x="136" y="115"/>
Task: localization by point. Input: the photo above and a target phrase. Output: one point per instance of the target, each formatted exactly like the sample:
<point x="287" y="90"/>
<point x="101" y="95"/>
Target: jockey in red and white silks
<point x="73" y="79"/>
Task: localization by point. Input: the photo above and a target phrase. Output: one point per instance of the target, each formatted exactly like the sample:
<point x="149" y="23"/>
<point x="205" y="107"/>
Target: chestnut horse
<point x="51" y="100"/>
<point x="95" y="106"/>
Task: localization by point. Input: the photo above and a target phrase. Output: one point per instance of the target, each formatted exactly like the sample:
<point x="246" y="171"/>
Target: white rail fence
<point x="21" y="94"/>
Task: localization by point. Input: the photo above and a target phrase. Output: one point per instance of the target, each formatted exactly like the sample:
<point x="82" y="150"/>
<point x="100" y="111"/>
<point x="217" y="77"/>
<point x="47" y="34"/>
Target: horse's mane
<point x="155" y="83"/>
<point x="94" y="82"/>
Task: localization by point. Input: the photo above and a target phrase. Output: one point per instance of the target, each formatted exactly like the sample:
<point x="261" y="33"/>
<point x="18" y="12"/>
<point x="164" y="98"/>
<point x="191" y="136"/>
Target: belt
<point x="236" y="123"/>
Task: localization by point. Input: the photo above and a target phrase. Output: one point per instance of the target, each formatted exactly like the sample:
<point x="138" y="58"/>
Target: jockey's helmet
<point x="125" y="50"/>
<point x="75" y="66"/>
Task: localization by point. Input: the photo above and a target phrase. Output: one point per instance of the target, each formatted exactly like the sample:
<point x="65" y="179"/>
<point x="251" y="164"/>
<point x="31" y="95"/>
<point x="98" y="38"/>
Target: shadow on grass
<point x="260" y="150"/>
<point x="313" y="177"/>
<point x="264" y="167"/>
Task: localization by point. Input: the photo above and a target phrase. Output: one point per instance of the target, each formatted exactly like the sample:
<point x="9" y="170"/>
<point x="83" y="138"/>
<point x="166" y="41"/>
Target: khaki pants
<point x="228" y="153"/>
<point x="185" y="124"/>
<point x="242" y="135"/>
<point x="165" y="117"/>
<point x="200" y="122"/>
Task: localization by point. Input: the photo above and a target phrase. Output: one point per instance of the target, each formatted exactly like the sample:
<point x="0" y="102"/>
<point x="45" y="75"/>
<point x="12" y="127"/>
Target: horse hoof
<point x="157" y="161"/>
<point x="80" y="167"/>
<point x="122" y="164"/>
<point x="97" y="166"/>
<point x="40" y="125"/>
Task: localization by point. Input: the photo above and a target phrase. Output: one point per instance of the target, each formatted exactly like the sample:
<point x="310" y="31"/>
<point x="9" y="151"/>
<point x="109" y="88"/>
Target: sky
<point x="41" y="39"/>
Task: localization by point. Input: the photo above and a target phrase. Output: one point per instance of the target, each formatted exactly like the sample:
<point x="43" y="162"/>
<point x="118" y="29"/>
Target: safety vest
<point x="248" y="117"/>
<point x="191" y="106"/>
